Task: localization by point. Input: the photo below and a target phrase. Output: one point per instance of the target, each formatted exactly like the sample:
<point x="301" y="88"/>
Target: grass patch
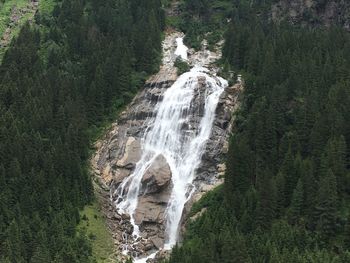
<point x="46" y="6"/>
<point x="93" y="222"/>
<point x="5" y="12"/>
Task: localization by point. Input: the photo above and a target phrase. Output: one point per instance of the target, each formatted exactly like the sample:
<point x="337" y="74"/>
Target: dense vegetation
<point x="59" y="79"/>
<point x="202" y="19"/>
<point x="287" y="185"/>
<point x="13" y="15"/>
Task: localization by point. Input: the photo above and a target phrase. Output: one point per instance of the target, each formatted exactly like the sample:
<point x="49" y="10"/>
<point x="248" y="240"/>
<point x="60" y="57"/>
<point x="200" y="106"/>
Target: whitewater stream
<point x="181" y="147"/>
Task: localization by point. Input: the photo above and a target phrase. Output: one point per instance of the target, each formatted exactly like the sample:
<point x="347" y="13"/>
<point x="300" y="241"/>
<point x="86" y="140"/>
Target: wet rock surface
<point x="120" y="149"/>
<point x="157" y="177"/>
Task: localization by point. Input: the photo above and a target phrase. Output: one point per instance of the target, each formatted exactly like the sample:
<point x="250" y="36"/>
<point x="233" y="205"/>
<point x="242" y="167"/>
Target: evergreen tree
<point x="326" y="206"/>
<point x="288" y="156"/>
<point x="60" y="79"/>
<point x="296" y="207"/>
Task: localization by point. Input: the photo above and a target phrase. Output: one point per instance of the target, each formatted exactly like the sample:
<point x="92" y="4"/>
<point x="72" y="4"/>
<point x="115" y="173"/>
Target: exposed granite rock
<point x="119" y="151"/>
<point x="132" y="153"/>
<point x="157" y="176"/>
<point x="313" y="12"/>
<point x="157" y="242"/>
<point x="149" y="210"/>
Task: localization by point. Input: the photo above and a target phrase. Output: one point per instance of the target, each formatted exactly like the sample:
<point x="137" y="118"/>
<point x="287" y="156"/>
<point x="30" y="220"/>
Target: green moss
<point x="93" y="222"/>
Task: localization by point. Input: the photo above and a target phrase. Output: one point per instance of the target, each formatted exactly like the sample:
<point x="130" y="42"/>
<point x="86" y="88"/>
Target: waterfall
<point x="178" y="132"/>
<point x="181" y="49"/>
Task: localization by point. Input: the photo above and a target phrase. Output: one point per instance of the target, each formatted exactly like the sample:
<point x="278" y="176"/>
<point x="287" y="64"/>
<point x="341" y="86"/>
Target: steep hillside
<point x="68" y="73"/>
<point x="165" y="150"/>
<point x="61" y="80"/>
<point x="286" y="193"/>
<point x="313" y="12"/>
<point x="14" y="14"/>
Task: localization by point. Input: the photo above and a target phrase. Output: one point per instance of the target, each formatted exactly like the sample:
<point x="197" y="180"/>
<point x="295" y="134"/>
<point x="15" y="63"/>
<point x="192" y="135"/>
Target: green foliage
<point x="5" y="11"/>
<point x="93" y="223"/>
<point x="7" y="8"/>
<point x="173" y="21"/>
<point x="182" y="66"/>
<point x="207" y="200"/>
<point x="199" y="17"/>
<point x="286" y="192"/>
<point x="46" y="6"/>
<point x="326" y="206"/>
<point x="60" y="80"/>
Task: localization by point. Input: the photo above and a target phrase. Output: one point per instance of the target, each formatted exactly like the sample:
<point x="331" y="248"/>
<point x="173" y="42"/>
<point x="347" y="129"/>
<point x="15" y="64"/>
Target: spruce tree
<point x="297" y="204"/>
<point x="326" y="206"/>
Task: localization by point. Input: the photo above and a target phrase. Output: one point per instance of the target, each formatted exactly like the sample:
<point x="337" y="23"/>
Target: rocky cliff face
<point x="119" y="151"/>
<point x="313" y="12"/>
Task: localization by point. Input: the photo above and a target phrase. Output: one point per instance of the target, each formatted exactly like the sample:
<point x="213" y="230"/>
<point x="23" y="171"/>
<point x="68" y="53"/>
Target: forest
<point x="287" y="184"/>
<point x="61" y="80"/>
<point x="286" y="196"/>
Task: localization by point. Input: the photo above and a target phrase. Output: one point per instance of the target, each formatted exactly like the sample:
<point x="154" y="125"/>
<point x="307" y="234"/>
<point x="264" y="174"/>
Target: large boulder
<point x="132" y="154"/>
<point x="155" y="182"/>
<point x="157" y="242"/>
<point x="150" y="209"/>
<point x="157" y="177"/>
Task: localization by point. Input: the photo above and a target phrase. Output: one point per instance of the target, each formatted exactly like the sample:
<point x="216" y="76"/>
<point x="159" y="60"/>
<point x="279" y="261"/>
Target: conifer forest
<point x="197" y="131"/>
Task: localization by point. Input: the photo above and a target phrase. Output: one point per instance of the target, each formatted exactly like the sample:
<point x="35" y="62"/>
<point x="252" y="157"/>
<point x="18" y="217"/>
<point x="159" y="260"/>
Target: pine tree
<point x="234" y="248"/>
<point x="239" y="171"/>
<point x="297" y="204"/>
<point x="2" y="179"/>
<point x="267" y="203"/>
<point x="326" y="206"/>
<point x="280" y="193"/>
<point x="41" y="255"/>
<point x="310" y="190"/>
<point x="288" y="169"/>
<point x="14" y="248"/>
<point x="336" y="160"/>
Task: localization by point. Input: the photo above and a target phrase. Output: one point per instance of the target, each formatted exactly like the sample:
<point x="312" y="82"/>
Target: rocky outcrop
<point x="131" y="153"/>
<point x="313" y="12"/>
<point x="119" y="151"/>
<point x="157" y="177"/>
<point x="149" y="214"/>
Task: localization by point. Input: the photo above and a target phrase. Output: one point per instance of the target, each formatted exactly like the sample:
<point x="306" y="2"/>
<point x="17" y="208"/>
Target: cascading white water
<point x="192" y="146"/>
<point x="181" y="49"/>
<point x="182" y="148"/>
